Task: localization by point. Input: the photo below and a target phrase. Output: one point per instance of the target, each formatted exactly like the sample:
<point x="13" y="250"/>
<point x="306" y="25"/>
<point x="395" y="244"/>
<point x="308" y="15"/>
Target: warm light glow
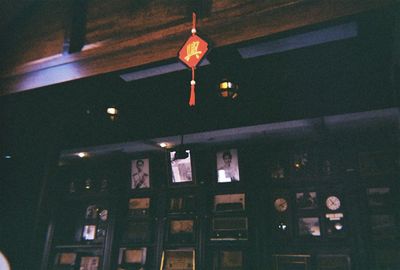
<point x="163" y="144"/>
<point x="112" y="111"/>
<point x="225" y="85"/>
<point x="228" y="89"/>
<point x="82" y="154"/>
<point x="7" y="156"/>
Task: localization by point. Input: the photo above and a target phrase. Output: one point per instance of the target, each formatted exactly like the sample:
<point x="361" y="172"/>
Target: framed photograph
<point x="181" y="168"/>
<point x="228" y="166"/>
<point x="333" y="262"/>
<point x="291" y="262"/>
<point x="139" y="206"/>
<point x="91" y="212"/>
<point x="181" y="230"/>
<point x="229" y="202"/>
<point x="306" y="200"/>
<point x="133" y="256"/>
<point x="137" y="231"/>
<point x="229" y="228"/>
<point x="184" y="203"/>
<point x="89" y="232"/>
<point x="140" y="175"/>
<point x="180" y="259"/>
<point x="89" y="263"/>
<point x="378" y="197"/>
<point x="67" y="258"/>
<point x="229" y="260"/>
<point x="309" y="226"/>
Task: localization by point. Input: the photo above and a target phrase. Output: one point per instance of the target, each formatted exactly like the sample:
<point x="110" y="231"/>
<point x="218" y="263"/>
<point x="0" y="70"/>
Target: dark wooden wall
<point x="122" y="34"/>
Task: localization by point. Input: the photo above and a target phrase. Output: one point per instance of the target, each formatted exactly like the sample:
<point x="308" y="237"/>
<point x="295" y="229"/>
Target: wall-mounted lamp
<point x="112" y="112"/>
<point x="228" y="89"/>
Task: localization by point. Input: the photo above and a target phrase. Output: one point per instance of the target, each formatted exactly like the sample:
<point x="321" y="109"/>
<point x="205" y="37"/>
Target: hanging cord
<point x="192" y="100"/>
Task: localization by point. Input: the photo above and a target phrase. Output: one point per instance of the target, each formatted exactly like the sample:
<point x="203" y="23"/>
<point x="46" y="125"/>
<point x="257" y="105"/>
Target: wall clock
<point x="281" y="205"/>
<point x="332" y="203"/>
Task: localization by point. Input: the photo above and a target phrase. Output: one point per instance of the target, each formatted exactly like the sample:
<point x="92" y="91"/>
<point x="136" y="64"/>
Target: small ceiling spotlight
<point x="82" y="154"/>
<point x="228" y="89"/>
<point x="163" y="144"/>
<point x="112" y="112"/>
<point x="7" y="156"/>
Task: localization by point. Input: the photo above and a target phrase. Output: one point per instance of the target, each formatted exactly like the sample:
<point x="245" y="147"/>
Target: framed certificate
<point x="181" y="167"/>
<point x="181" y="230"/>
<point x="133" y="256"/>
<point x="180" y="259"/>
<point x="229" y="202"/>
<point x="139" y="206"/>
<point x="228" y="166"/>
<point x="67" y="258"/>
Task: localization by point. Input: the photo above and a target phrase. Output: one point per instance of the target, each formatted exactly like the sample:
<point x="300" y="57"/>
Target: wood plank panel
<point x="227" y="24"/>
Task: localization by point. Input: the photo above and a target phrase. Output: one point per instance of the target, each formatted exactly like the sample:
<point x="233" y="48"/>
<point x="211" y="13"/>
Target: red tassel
<point x="192" y="100"/>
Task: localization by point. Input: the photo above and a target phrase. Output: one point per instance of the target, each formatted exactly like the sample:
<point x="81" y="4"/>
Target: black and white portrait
<point x="306" y="200"/>
<point x="181" y="168"/>
<point x="228" y="166"/>
<point x="140" y="177"/>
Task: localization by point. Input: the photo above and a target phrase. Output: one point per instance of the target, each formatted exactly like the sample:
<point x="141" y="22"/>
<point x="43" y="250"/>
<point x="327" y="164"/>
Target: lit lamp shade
<point x="228" y="89"/>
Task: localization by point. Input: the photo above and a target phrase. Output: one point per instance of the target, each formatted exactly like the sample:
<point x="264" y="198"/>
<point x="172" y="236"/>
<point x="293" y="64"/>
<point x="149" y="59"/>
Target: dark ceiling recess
<point x="342" y="76"/>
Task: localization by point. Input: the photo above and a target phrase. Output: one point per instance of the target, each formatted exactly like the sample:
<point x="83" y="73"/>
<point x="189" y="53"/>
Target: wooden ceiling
<point x="122" y="34"/>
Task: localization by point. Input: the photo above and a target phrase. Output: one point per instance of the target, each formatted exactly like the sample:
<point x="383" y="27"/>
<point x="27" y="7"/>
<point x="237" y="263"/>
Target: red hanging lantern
<point x="192" y="52"/>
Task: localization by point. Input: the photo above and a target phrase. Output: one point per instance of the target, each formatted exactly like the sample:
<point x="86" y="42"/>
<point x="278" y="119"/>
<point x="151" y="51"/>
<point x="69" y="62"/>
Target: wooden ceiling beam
<point x="234" y="25"/>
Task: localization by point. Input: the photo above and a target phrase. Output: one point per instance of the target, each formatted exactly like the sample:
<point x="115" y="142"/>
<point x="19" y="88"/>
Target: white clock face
<point x="332" y="203"/>
<point x="281" y="204"/>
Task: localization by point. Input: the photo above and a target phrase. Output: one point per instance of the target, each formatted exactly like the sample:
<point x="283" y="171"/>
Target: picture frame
<point x="333" y="262"/>
<point x="229" y="260"/>
<point x="137" y="231"/>
<point x="229" y="202"/>
<point x="178" y="259"/>
<point x="229" y="228"/>
<point x="66" y="258"/>
<point x="181" y="230"/>
<point x="140" y="174"/>
<point x="309" y="227"/>
<point x="227" y="166"/>
<point x="89" y="232"/>
<point x="181" y="168"/>
<point x="182" y="204"/>
<point x="89" y="263"/>
<point x="291" y="262"/>
<point x="92" y="212"/>
<point x="132" y="256"/>
<point x="139" y="206"/>
<point x="306" y="200"/>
